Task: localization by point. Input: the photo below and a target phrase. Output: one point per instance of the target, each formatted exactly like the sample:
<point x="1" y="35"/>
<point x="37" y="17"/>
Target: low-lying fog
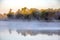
<point x="29" y="30"/>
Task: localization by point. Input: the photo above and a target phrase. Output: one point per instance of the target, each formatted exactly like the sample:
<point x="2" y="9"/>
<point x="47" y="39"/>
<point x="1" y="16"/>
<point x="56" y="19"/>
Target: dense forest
<point x="32" y="14"/>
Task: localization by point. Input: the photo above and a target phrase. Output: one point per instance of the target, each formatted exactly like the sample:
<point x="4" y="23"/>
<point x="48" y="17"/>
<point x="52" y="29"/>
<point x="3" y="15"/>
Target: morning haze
<point x="5" y="5"/>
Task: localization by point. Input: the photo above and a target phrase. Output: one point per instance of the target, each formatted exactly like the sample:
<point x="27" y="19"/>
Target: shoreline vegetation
<point x="32" y="14"/>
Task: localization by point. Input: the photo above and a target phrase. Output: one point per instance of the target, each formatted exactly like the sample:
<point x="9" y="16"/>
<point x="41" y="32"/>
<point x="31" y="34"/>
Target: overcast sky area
<point x="5" y="5"/>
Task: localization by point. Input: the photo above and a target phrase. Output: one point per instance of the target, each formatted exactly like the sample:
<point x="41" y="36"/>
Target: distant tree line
<point x="34" y="14"/>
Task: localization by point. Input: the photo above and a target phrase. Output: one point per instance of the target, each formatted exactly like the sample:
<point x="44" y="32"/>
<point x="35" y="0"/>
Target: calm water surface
<point x="27" y="25"/>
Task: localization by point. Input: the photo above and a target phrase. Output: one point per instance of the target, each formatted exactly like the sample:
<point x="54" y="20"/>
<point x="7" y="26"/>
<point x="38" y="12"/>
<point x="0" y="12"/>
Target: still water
<point x="27" y="25"/>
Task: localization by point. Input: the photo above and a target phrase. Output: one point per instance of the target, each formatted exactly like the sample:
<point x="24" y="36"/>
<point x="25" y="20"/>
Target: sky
<point x="5" y="5"/>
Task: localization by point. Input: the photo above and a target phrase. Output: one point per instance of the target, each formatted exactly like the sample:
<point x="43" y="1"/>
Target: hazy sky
<point x="5" y="5"/>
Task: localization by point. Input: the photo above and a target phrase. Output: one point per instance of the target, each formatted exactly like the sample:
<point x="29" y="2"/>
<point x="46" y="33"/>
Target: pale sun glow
<point x="17" y="4"/>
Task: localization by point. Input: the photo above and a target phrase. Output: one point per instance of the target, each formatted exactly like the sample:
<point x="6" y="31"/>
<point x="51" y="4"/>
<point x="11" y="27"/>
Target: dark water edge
<point x="30" y="20"/>
<point x="36" y="32"/>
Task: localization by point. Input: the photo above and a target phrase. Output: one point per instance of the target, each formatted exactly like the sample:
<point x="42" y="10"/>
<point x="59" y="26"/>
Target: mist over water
<point x="32" y="25"/>
<point x="29" y="30"/>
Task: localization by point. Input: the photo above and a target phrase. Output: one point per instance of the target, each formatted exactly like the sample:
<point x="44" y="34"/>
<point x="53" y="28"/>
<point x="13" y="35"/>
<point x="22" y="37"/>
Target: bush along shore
<point x="32" y="14"/>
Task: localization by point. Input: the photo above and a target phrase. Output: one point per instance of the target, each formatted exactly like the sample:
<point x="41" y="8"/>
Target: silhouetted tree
<point x="18" y="14"/>
<point x="57" y="14"/>
<point x="36" y="15"/>
<point x="44" y="15"/>
<point x="10" y="14"/>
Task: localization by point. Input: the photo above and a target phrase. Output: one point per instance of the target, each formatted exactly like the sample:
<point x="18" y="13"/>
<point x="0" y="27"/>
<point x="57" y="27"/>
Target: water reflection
<point x="29" y="30"/>
<point x="36" y="32"/>
<point x="5" y="35"/>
